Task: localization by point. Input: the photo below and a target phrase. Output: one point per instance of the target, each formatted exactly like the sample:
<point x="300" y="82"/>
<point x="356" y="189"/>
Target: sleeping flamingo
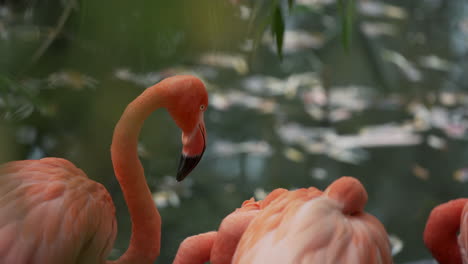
<point x="50" y="212"/>
<point x="440" y="234"/>
<point x="301" y="226"/>
<point x="219" y="246"/>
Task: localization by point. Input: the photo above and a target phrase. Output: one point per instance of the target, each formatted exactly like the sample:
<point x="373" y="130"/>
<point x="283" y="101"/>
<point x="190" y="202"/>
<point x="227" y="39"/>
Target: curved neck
<point x="146" y="222"/>
<point x="440" y="234"/>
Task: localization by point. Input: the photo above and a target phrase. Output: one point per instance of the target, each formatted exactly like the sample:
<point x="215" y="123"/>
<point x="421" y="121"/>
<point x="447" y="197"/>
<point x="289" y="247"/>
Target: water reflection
<point x="392" y="112"/>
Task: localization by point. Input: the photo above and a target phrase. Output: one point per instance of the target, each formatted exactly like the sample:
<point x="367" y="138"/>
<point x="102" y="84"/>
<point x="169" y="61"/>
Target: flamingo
<point x="219" y="246"/>
<point x="440" y="233"/>
<point x="50" y="212"/>
<point x="301" y="226"/>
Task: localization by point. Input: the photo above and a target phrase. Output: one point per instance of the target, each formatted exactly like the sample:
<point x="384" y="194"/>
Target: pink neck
<point x="146" y="222"/>
<point x="440" y="234"/>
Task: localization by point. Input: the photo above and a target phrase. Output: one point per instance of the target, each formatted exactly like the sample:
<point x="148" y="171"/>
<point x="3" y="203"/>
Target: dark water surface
<point x="392" y="111"/>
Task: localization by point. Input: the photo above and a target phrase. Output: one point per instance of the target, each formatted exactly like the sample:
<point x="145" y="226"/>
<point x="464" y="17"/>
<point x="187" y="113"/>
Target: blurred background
<point x="301" y="93"/>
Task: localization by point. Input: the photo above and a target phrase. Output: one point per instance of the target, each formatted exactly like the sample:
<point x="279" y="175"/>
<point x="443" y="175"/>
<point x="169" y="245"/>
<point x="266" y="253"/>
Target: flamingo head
<point x="186" y="103"/>
<point x="442" y="229"/>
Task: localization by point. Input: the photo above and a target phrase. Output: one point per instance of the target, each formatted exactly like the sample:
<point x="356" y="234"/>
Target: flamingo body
<point x="463" y="235"/>
<point x="298" y="227"/>
<point x="446" y="232"/>
<point x="51" y="212"/>
<point x="67" y="217"/>
<point x="218" y="247"/>
<point x="306" y="226"/>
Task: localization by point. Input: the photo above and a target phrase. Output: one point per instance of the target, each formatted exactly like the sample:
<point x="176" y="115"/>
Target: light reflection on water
<point x="271" y="124"/>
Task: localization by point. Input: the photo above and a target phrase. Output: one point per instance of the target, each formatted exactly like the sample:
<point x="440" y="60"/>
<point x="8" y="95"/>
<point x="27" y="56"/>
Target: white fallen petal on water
<point x="245" y="12"/>
<point x="315" y="3"/>
<point x="347" y="148"/>
<point x="319" y="173"/>
<point x="293" y="155"/>
<point x="457" y="131"/>
<point x="436" y="63"/>
<point x="174" y="199"/>
<point x="229" y="61"/>
<point x="143" y="79"/>
<point x="420" y="172"/>
<point x="272" y="86"/>
<point x="260" y="194"/>
<point x="406" y="67"/>
<point x="352" y="156"/>
<point x="264" y="85"/>
<point x="461" y="175"/>
<point x="452" y="121"/>
<point x="169" y="190"/>
<point x="293" y="133"/>
<point x="378" y="29"/>
<point x="315" y="95"/>
<point x="227" y="148"/>
<point x="380" y="9"/>
<point x="316" y="147"/>
<point x="448" y="98"/>
<point x="147" y="79"/>
<point x="143" y="151"/>
<point x="223" y="101"/>
<point x="436" y="142"/>
<point x="73" y="79"/>
<point x="352" y="97"/>
<point x="379" y="136"/>
<point x="316" y="112"/>
<point x="340" y="114"/>
<point x="341" y="101"/>
<point x="296" y="40"/>
<point x="166" y="198"/>
<point x="373" y="136"/>
<point x="396" y="243"/>
<point x="123" y="74"/>
<point x="421" y="116"/>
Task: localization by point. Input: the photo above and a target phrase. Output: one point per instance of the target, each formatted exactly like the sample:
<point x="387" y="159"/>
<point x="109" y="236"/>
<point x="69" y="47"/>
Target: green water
<point x="64" y="101"/>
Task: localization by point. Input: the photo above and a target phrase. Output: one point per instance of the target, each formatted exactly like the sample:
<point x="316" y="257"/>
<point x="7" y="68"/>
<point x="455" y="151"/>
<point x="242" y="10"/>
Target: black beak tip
<point x="186" y="165"/>
<point x="181" y="176"/>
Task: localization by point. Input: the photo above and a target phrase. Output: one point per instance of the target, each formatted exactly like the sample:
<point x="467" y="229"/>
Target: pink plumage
<point x="446" y="232"/>
<point x="66" y="217"/>
<point x="51" y="213"/>
<point x="303" y="226"/>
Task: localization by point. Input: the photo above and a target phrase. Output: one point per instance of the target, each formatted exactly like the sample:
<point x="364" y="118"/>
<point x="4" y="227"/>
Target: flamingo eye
<point x="202" y="107"/>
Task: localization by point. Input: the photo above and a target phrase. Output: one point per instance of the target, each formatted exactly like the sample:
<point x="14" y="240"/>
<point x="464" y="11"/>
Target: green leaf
<point x="278" y="30"/>
<point x="346" y="8"/>
<point x="290" y="4"/>
<point x="258" y="24"/>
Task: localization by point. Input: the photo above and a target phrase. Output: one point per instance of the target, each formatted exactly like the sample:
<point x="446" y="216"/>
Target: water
<point x="391" y="112"/>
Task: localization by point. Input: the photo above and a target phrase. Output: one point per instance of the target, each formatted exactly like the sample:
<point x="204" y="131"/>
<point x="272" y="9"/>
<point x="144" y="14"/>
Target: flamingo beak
<point x="192" y="152"/>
